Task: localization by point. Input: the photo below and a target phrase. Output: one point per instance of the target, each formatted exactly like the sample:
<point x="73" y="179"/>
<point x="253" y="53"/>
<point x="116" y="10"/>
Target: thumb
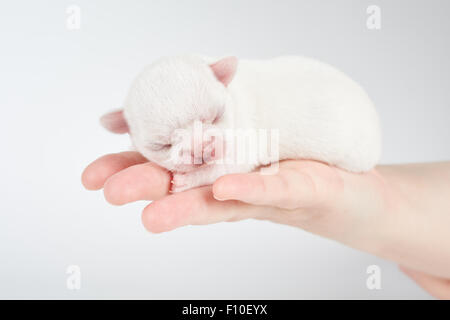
<point x="312" y="196"/>
<point x="297" y="184"/>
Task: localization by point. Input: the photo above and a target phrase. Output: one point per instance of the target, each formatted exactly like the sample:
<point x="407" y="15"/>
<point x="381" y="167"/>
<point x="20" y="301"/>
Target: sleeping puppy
<point x="180" y="111"/>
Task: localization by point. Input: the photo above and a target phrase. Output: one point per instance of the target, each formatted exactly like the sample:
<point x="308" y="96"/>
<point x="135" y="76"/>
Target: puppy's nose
<point x="203" y="153"/>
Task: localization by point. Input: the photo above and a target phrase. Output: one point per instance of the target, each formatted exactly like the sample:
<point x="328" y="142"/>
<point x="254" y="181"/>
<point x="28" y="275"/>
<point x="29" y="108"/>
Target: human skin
<point x="397" y="212"/>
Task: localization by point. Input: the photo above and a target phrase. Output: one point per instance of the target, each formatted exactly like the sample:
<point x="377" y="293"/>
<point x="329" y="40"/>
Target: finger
<point x="95" y="174"/>
<point x="296" y="184"/>
<point x="146" y="181"/>
<point x="195" y="207"/>
<point x="437" y="287"/>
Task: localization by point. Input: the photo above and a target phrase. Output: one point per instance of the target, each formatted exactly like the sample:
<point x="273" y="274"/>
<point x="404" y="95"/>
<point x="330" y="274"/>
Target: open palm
<point x="308" y="186"/>
<point x="374" y="211"/>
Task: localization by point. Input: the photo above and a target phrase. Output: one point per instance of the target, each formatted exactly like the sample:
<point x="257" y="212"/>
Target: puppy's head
<point x="167" y="104"/>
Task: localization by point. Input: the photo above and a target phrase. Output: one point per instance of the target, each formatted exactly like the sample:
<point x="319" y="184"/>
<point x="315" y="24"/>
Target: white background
<point x="55" y="83"/>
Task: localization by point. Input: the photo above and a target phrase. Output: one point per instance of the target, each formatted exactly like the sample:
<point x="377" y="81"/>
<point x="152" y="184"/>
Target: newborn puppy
<point x="312" y="110"/>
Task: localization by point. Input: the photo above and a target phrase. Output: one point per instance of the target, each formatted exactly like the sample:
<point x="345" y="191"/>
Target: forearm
<point x="417" y="222"/>
<point x="397" y="212"/>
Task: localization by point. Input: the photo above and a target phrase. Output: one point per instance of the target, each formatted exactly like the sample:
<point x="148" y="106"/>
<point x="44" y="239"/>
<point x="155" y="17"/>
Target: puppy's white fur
<point x="320" y="112"/>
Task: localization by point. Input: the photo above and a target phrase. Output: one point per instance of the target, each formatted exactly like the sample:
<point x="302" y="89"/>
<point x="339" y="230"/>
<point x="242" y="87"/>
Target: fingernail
<point x="217" y="198"/>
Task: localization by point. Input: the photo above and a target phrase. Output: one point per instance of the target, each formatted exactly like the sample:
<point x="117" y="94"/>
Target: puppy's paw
<point x="181" y="182"/>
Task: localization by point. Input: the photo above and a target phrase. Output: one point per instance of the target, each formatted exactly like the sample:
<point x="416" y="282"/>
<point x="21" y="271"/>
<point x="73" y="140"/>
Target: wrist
<point x="415" y="224"/>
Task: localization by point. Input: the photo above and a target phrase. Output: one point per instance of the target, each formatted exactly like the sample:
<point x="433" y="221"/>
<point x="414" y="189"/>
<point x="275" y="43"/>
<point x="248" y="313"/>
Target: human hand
<point x="380" y="211"/>
<point x="126" y="177"/>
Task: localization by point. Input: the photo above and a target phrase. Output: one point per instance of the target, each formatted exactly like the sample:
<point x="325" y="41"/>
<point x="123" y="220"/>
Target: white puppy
<point x="312" y="109"/>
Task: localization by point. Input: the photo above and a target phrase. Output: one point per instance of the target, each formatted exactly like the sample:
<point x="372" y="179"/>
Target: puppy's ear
<point x="115" y="122"/>
<point x="224" y="69"/>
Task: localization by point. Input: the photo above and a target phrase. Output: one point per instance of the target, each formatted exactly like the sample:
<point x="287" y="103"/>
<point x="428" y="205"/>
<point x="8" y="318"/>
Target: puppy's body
<point x="319" y="112"/>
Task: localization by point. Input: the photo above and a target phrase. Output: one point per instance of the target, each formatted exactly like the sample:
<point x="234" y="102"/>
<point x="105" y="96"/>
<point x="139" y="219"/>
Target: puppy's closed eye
<point x="159" y="146"/>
